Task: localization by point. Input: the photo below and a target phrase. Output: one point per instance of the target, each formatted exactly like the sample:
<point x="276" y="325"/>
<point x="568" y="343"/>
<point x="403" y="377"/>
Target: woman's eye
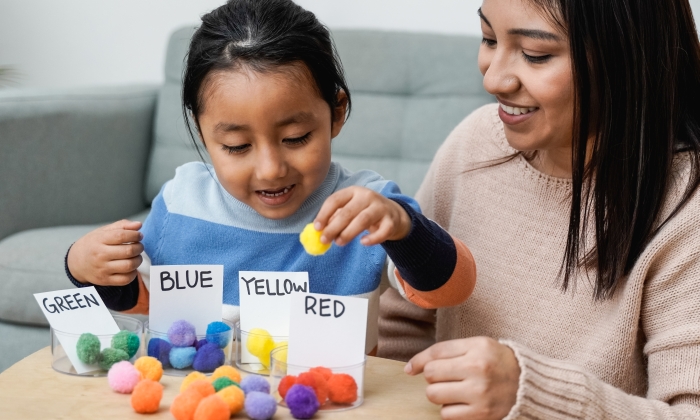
<point x="235" y="149"/>
<point x="488" y="42"/>
<point x="298" y="140"/>
<point x="537" y="59"/>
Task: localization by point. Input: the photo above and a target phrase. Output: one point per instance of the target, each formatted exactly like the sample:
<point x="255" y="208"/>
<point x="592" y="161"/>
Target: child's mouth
<point x="275" y="197"/>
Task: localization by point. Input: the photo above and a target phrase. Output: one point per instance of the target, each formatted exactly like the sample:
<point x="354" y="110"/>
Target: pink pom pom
<point x="123" y="377"/>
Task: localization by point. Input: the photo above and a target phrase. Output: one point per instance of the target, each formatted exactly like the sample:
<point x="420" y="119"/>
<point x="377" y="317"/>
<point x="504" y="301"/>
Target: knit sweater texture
<point x="634" y="356"/>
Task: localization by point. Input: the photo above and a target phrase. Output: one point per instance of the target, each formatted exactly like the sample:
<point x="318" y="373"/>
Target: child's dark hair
<point x="263" y="35"/>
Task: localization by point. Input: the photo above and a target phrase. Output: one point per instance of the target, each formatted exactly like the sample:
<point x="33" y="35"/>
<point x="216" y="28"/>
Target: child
<point x="265" y="92"/>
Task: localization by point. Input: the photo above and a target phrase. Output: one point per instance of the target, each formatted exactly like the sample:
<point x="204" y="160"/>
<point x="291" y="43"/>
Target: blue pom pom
<point x="255" y="383"/>
<point x="182" y="357"/>
<point x="208" y="358"/>
<point x="220" y="333"/>
<point x="198" y="345"/>
<point x="260" y="406"/>
<point x="182" y="334"/>
<point x="302" y="401"/>
<point x="160" y="349"/>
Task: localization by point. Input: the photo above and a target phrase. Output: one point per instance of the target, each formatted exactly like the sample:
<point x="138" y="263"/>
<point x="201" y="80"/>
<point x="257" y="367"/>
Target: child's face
<point x="269" y="136"/>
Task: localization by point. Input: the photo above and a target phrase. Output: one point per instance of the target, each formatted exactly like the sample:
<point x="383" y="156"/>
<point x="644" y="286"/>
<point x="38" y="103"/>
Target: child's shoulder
<point x="362" y="178"/>
<point x="190" y="179"/>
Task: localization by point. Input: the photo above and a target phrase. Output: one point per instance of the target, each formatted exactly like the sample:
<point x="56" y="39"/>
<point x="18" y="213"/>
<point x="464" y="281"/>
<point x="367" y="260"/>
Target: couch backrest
<point x="409" y="91"/>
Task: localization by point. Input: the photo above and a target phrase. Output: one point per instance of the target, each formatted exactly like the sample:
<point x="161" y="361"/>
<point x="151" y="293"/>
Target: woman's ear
<point x="339" y="113"/>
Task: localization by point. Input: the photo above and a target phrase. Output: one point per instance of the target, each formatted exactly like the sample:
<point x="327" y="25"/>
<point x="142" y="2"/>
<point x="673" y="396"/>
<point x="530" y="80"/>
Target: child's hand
<point x="108" y="256"/>
<point x="352" y="210"/>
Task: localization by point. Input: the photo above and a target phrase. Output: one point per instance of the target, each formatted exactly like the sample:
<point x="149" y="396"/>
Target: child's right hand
<point x="108" y="256"/>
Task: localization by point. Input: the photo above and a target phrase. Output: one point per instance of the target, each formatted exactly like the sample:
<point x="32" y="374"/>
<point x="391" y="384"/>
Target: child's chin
<point x="281" y="212"/>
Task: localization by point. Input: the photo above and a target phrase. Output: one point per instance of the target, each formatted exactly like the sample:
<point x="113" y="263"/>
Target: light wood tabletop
<point x="31" y="389"/>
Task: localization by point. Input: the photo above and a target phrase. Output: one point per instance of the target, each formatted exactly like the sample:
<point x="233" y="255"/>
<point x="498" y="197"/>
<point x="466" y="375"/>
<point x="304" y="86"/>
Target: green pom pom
<point x="223" y="382"/>
<point x="88" y="348"/>
<point x="127" y="341"/>
<point x="111" y="356"/>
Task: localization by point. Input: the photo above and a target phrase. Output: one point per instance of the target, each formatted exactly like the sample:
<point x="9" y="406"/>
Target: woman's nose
<point x="271" y="164"/>
<point x="500" y="77"/>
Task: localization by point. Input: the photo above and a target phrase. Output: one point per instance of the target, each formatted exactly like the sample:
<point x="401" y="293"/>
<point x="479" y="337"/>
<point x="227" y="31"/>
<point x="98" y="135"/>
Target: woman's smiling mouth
<point x="514" y="114"/>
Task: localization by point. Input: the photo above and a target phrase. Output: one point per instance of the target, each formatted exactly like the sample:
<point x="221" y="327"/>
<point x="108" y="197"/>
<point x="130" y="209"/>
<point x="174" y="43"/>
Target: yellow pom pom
<point x="150" y="368"/>
<point x="226" y="371"/>
<point x="310" y="238"/>
<point x="191" y="378"/>
<point x="281" y="355"/>
<point x="234" y="397"/>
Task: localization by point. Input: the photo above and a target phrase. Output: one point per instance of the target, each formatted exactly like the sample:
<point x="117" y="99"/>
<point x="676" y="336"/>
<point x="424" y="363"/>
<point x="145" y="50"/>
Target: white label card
<point x="73" y="312"/>
<point x="327" y="330"/>
<point x="194" y="293"/>
<point x="265" y="301"/>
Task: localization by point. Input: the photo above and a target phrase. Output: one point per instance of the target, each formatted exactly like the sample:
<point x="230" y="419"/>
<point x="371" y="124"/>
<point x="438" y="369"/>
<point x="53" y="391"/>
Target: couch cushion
<point x="32" y="262"/>
<point x="409" y="91"/>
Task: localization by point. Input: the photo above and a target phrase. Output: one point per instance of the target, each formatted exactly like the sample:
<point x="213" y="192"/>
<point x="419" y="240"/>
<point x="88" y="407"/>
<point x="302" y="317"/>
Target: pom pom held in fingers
<point x="310" y="238"/>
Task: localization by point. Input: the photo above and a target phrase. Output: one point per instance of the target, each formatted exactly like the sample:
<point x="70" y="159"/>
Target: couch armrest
<point x="73" y="157"/>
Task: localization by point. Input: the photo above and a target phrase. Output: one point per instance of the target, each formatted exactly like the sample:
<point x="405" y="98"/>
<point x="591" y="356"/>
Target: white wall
<point x="68" y="43"/>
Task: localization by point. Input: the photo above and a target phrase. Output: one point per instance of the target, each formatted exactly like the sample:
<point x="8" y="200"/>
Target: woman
<point x="577" y="195"/>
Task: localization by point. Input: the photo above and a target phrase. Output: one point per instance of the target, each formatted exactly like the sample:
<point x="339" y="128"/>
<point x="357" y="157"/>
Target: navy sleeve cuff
<point x="427" y="256"/>
<point x="116" y="298"/>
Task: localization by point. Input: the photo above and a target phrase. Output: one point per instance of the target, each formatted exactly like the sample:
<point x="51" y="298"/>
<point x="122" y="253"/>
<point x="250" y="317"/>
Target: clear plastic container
<point x="223" y="337"/>
<point x="248" y="362"/>
<point x="60" y="361"/>
<point x="280" y="368"/>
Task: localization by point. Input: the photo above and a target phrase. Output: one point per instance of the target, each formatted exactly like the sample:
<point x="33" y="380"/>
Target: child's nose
<point x="271" y="165"/>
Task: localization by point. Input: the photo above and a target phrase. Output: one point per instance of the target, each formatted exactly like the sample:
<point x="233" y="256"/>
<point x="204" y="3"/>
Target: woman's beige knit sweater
<point x="635" y="356"/>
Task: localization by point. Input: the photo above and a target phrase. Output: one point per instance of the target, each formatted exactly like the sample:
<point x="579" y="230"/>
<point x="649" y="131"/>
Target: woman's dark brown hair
<point x="636" y="72"/>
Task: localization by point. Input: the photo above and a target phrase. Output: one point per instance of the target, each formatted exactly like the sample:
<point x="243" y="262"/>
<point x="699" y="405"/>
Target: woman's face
<point x="269" y="136"/>
<point x="526" y="65"/>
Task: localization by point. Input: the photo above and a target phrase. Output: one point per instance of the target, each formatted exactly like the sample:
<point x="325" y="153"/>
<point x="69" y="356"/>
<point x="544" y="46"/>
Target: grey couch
<point x="73" y="160"/>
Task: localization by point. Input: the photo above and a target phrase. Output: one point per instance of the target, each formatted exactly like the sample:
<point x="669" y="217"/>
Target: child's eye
<point x="488" y="42"/>
<point x="298" y="140"/>
<point x="537" y="59"/>
<point x="235" y="149"/>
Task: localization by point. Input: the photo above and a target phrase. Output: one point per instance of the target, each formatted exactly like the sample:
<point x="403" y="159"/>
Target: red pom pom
<point x="146" y="396"/>
<point x="317" y="382"/>
<point x="342" y="389"/>
<point x="324" y="371"/>
<point x="285" y="384"/>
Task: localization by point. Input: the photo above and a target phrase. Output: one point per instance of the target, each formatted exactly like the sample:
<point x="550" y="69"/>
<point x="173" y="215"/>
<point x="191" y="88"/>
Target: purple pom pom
<point x="198" y="345"/>
<point x="208" y="358"/>
<point x="260" y="406"/>
<point x="255" y="383"/>
<point x="181" y="334"/>
<point x="302" y="401"/>
<point x="160" y="349"/>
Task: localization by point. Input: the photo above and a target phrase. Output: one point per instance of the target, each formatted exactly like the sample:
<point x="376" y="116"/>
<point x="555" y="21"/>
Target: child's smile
<point x="269" y="135"/>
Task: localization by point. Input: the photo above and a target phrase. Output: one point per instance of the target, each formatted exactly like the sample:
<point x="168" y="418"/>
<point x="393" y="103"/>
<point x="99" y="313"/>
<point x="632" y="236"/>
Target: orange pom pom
<point x="317" y="382"/>
<point x="150" y="368"/>
<point x="212" y="407"/>
<point x="228" y="371"/>
<point x="324" y="371"/>
<point x="185" y="404"/>
<point x="203" y="386"/>
<point x="234" y="397"/>
<point x="193" y="376"/>
<point x="146" y="396"/>
<point x="285" y="384"/>
<point x="342" y="388"/>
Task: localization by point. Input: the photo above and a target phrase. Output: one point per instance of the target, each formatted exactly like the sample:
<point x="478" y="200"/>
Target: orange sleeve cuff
<point x="456" y="290"/>
<point x="141" y="306"/>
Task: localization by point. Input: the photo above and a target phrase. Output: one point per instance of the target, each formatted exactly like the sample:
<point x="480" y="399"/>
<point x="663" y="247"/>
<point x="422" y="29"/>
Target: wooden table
<point x="31" y="389"/>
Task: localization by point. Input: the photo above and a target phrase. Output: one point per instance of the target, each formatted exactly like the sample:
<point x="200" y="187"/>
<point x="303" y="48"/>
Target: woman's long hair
<point x="636" y="72"/>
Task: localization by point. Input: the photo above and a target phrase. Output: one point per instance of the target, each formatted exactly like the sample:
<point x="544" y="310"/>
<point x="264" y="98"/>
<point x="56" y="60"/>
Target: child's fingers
<point x="122" y="279"/>
<point x="120" y="236"/>
<point x="336" y="201"/>
<point x="124" y="266"/>
<point x="378" y="235"/>
<point x="356" y="224"/>
<point x="124" y="224"/>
